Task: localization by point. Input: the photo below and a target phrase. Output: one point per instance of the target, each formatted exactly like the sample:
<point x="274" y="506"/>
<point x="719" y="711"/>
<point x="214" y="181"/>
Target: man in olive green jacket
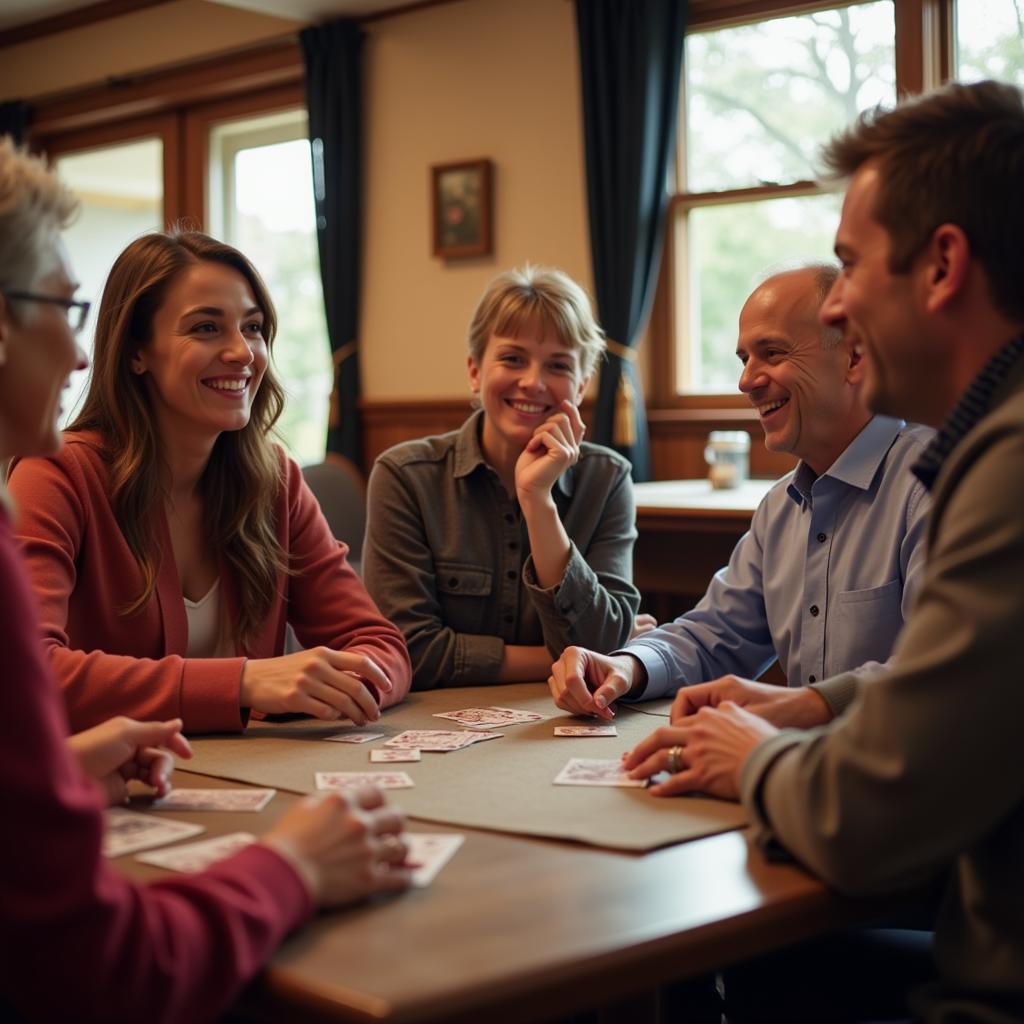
<point x="919" y="771"/>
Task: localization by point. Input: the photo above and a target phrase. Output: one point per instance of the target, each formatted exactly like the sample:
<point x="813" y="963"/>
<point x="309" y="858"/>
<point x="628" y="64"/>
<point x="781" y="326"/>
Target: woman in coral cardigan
<point x="80" y="941"/>
<point x="169" y="542"/>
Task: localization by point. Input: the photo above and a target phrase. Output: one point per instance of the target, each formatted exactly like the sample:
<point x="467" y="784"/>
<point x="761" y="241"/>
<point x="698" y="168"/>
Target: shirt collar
<point x="971" y="407"/>
<point x="469" y="455"/>
<point x="857" y="464"/>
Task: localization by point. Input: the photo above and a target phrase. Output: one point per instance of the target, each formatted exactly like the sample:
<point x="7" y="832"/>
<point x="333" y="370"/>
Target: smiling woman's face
<point x="207" y="354"/>
<point x="522" y="381"/>
<point x="38" y="352"/>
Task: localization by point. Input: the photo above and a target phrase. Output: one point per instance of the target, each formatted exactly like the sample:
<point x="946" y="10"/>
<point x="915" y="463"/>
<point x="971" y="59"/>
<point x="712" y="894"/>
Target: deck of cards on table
<point x="214" y="800"/>
<point x="392" y="754"/>
<point x="353" y="780"/>
<point x="586" y="730"/>
<point x="438" y="740"/>
<point x="429" y="852"/>
<point x="475" y="718"/>
<point x="591" y="771"/>
<point x="128" y="831"/>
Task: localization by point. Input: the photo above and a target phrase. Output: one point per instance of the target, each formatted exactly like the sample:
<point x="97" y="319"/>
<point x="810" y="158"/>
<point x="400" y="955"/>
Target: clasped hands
<point x="714" y="726"/>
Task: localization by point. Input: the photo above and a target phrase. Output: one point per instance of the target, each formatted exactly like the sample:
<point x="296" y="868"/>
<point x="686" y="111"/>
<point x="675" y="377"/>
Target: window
<point x="224" y="148"/>
<point x="990" y="40"/>
<point x="759" y="100"/>
<point x="120" y="188"/>
<point x="261" y="201"/>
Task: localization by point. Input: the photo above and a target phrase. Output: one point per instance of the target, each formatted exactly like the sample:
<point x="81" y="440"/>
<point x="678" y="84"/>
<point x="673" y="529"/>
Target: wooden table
<point x="686" y="533"/>
<point x="516" y="929"/>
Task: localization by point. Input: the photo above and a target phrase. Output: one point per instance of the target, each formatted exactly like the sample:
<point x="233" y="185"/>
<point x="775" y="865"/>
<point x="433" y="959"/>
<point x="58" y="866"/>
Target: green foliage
<point x="289" y="263"/>
<point x="734" y="245"/>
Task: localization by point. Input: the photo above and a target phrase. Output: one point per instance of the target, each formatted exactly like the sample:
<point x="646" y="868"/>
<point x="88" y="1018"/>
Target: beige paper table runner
<point x="504" y="785"/>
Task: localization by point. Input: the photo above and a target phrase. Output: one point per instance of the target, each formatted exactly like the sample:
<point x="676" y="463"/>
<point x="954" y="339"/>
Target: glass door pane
<point x="261" y="201"/>
<point x="990" y="41"/>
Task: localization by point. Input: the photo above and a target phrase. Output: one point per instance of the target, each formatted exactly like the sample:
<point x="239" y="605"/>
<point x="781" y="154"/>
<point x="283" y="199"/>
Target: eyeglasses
<point x="76" y="310"/>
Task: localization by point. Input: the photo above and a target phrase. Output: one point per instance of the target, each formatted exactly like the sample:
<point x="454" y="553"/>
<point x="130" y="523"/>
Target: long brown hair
<point x="243" y="476"/>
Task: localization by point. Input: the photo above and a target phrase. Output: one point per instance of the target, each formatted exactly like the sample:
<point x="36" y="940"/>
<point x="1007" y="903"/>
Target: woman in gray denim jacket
<point x="497" y="545"/>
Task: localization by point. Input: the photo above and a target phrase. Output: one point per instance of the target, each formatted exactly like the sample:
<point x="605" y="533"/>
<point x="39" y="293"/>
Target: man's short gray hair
<point x="34" y="208"/>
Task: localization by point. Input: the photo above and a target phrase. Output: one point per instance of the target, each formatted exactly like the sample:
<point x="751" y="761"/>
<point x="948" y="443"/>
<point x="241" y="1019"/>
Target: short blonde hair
<point x="34" y="208"/>
<point x="542" y="296"/>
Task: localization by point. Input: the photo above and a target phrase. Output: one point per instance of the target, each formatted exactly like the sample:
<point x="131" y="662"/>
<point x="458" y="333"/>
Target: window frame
<point x="924" y="59"/>
<point x="185" y="101"/>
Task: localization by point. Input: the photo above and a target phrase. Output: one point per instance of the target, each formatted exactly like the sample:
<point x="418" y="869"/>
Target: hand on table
<point x="783" y="706"/>
<point x="554" y="447"/>
<point x="121" y="749"/>
<point x="583" y="682"/>
<point x="321" y="682"/>
<point x="708" y="750"/>
<point x="345" y="846"/>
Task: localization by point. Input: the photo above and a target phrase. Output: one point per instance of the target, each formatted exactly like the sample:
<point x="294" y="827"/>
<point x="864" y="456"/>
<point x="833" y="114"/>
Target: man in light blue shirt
<point x="826" y="576"/>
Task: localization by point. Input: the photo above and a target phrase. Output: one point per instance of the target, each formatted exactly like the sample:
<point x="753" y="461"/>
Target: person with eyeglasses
<point x="76" y="310"/>
<point x="80" y="941"/>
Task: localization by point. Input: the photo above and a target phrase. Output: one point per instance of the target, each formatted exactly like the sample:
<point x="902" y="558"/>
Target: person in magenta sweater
<point x="80" y="941"/>
<point x="169" y="542"/>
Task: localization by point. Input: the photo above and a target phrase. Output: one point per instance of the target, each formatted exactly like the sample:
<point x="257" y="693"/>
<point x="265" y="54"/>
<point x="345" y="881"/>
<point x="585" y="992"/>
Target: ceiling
<point x="18" y="12"/>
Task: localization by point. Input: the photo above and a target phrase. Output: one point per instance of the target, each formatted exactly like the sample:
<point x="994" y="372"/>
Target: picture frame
<point x="462" y="208"/>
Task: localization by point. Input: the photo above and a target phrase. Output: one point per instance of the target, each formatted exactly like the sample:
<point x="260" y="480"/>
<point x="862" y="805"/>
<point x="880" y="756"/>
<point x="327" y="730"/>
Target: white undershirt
<point x="205" y="633"/>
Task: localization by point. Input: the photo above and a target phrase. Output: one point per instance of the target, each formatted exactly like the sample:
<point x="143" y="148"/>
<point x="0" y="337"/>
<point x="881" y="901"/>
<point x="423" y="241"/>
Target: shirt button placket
<point x="509" y="585"/>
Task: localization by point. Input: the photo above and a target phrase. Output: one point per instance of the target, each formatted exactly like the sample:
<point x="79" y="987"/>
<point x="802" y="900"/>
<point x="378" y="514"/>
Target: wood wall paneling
<point x="678" y="436"/>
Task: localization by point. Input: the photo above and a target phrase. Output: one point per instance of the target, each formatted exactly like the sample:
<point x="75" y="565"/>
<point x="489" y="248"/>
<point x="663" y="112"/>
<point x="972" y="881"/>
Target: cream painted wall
<point x="154" y="37"/>
<point x="479" y="78"/>
<point x="474" y="78"/>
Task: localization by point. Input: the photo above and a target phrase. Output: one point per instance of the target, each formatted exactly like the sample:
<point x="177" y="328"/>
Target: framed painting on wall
<point x="462" y="199"/>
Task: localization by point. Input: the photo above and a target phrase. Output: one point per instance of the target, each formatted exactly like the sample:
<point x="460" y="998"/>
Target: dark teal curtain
<point x="334" y="97"/>
<point x="631" y="54"/>
<point x="14" y="119"/>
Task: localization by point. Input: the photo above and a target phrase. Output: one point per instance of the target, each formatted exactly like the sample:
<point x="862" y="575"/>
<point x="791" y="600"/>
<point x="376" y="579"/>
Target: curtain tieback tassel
<point x="624" y="425"/>
<point x="624" y="422"/>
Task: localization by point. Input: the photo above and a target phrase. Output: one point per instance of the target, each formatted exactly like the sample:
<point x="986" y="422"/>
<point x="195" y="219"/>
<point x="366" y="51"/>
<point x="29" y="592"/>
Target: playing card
<point x="395" y="754"/>
<point x="354" y="737"/>
<point x="586" y="730"/>
<point x="127" y="831"/>
<point x="352" y="780"/>
<point x="473" y="718"/>
<point x="196" y="856"/>
<point x="480" y="735"/>
<point x="215" y="800"/>
<point x="592" y="771"/>
<point x="429" y="852"/>
<point x="437" y="739"/>
<point x="515" y="717"/>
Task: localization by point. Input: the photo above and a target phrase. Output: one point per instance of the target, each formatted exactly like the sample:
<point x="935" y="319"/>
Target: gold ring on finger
<point x="675" y="759"/>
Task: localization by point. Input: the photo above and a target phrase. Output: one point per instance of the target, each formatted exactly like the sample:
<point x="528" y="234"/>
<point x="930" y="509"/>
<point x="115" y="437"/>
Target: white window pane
<point x="990" y="40"/>
<point x="762" y="98"/>
<point x="121" y="190"/>
<point x="730" y="248"/>
<point x="264" y="190"/>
